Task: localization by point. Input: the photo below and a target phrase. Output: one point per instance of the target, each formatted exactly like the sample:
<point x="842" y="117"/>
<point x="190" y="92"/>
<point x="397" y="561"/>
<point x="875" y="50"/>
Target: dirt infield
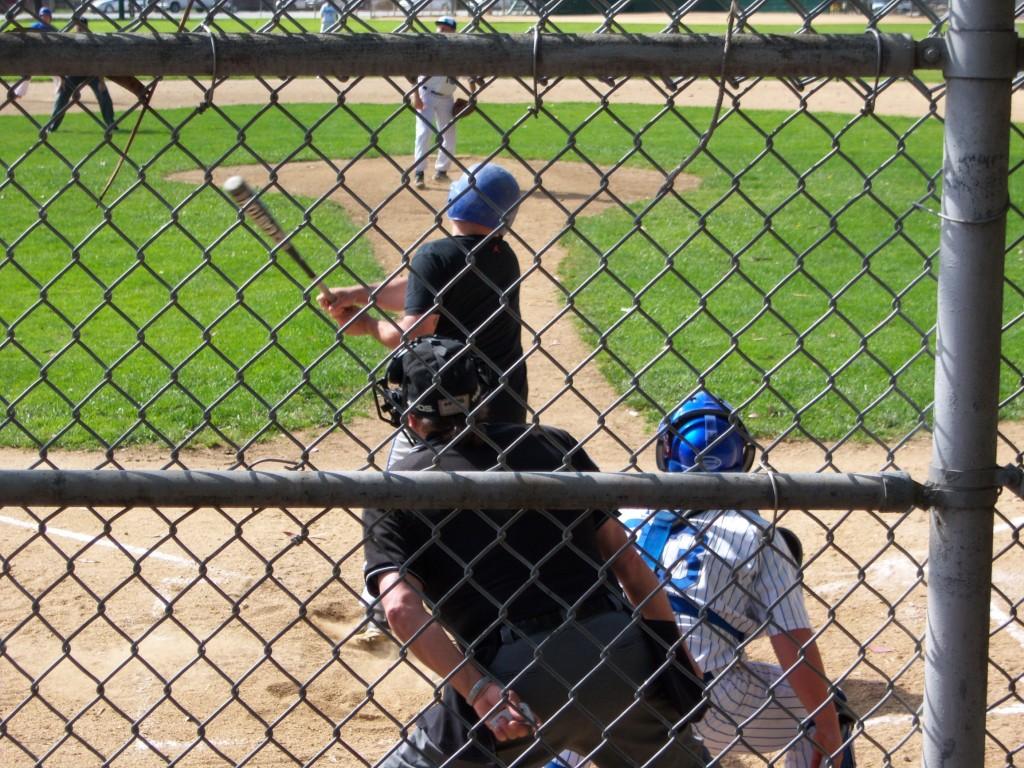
<point x="899" y="99"/>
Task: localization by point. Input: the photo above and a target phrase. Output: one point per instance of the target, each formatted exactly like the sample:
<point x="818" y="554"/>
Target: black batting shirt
<point x="473" y="286"/>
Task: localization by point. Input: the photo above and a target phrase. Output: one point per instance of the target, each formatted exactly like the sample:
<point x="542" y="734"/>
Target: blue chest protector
<point x="652" y="537"/>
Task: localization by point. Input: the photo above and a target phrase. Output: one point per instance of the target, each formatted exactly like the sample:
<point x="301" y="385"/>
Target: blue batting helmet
<point x="446" y="21"/>
<point x="702" y="432"/>
<point x="486" y="194"/>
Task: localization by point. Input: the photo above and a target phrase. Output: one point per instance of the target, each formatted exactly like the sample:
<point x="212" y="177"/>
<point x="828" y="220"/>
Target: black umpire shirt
<point x="474" y="562"/>
<point x="475" y="294"/>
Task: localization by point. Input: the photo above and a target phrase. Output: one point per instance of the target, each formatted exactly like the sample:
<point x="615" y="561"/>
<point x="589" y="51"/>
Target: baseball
<point x="234" y="184"/>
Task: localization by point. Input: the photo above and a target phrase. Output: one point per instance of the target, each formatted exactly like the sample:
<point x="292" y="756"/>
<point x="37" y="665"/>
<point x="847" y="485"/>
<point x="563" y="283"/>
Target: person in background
<point x="328" y="16"/>
<point x="433" y="99"/>
<point x="71" y="86"/>
<point x="43" y="23"/>
<point x="44" y="20"/>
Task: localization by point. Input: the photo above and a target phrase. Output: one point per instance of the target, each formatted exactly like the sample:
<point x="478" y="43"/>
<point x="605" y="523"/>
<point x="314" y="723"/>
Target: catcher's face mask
<point x="433" y="376"/>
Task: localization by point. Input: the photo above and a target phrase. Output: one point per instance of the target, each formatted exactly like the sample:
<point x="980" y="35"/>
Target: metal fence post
<point x="981" y="62"/>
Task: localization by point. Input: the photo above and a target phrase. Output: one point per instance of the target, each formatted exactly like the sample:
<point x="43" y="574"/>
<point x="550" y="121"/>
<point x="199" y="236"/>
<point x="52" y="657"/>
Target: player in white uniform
<point x="433" y="100"/>
<point x="732" y="577"/>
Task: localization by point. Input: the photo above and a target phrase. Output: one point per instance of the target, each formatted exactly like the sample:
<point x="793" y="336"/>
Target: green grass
<point x="305" y="23"/>
<point x="163" y="243"/>
<point x="238" y="344"/>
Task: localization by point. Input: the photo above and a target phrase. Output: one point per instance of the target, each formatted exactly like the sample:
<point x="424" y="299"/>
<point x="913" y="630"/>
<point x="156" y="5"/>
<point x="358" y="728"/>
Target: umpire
<point x="526" y="625"/>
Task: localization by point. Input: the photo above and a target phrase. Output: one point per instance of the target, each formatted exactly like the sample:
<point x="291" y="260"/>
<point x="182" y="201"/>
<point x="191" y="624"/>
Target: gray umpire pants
<point x="585" y="699"/>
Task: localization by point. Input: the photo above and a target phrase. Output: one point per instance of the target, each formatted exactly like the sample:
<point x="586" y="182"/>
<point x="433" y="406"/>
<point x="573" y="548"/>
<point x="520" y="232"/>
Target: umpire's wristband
<point x="477" y="689"/>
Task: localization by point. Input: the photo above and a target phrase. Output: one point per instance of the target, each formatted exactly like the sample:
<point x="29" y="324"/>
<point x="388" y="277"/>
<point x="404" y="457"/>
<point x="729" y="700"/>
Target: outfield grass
<point x="202" y="322"/>
<point x="822" y="320"/>
<point x="820" y="212"/>
<point x="306" y="23"/>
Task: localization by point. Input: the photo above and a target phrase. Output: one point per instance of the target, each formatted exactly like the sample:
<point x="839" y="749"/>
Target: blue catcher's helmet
<point x="702" y="433"/>
<point x="485" y="194"/>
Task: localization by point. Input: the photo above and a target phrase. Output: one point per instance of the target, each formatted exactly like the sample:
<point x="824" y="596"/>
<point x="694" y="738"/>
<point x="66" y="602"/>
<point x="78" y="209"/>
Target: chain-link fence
<point x="761" y="216"/>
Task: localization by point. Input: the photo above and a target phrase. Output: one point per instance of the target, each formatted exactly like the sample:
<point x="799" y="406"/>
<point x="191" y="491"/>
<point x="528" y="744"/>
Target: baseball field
<point x="793" y="267"/>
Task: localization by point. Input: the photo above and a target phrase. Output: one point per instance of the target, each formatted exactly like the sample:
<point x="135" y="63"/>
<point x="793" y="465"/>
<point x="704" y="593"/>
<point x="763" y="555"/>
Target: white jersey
<point x="719" y="560"/>
<point x="437" y="85"/>
<point x="721" y="566"/>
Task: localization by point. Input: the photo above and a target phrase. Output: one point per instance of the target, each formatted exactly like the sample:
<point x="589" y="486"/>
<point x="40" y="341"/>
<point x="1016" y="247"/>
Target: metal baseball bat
<point x="258" y="213"/>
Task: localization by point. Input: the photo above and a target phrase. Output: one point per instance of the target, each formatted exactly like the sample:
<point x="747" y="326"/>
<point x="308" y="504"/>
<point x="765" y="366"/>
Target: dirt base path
<point x="899" y="99"/>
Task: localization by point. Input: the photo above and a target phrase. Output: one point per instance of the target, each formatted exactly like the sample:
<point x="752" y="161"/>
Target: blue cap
<point x="486" y="194"/>
<point x="44" y="11"/>
<point x="446" y="21"/>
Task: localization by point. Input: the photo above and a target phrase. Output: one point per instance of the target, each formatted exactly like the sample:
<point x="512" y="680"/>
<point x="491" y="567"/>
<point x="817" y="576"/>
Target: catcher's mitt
<point x="795" y="546"/>
<point x="463" y="107"/>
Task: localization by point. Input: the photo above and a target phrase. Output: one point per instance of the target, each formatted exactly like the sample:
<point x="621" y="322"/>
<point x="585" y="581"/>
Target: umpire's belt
<point x="545" y="622"/>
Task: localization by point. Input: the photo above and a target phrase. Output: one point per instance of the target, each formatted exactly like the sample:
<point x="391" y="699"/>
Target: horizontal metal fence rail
<point x="887" y="55"/>
<point x="885" y="491"/>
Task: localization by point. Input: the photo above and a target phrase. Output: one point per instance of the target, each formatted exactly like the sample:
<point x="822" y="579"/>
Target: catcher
<point x="437" y="111"/>
<point x="732" y="576"/>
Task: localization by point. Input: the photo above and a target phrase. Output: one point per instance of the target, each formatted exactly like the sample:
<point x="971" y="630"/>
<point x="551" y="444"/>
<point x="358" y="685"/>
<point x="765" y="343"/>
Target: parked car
<point x="199" y="5"/>
<point x="903" y="6"/>
<point x="111" y="7"/>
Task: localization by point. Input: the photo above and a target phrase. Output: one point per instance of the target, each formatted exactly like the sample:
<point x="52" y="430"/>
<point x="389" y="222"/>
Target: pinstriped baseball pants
<point x="751" y="712"/>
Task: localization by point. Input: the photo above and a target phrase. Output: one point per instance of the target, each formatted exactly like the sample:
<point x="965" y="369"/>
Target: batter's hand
<point x="340" y="305"/>
<point x="504" y="715"/>
<point x="352" y="323"/>
<point x="340" y="298"/>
